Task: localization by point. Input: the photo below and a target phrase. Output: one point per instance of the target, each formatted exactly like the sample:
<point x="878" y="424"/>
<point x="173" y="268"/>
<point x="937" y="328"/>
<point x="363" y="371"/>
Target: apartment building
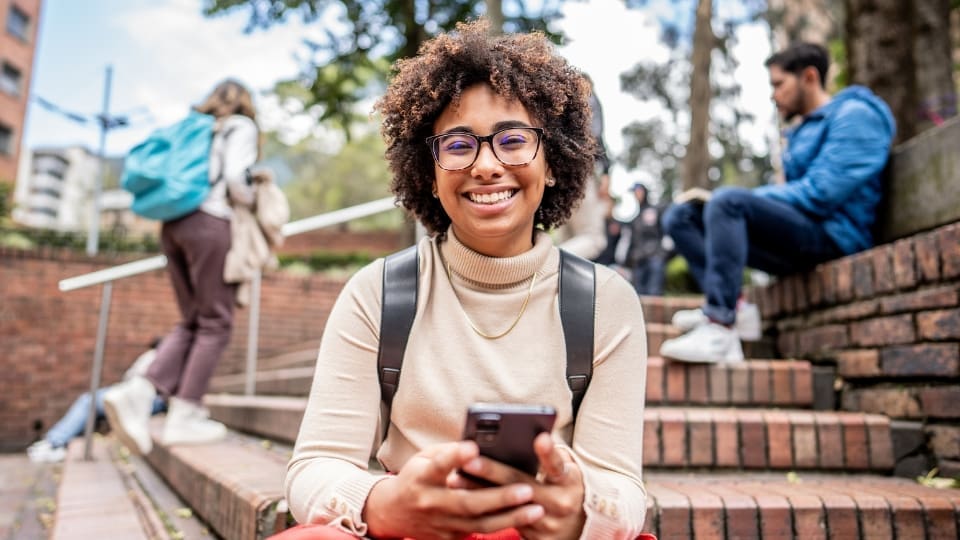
<point x="19" y="21"/>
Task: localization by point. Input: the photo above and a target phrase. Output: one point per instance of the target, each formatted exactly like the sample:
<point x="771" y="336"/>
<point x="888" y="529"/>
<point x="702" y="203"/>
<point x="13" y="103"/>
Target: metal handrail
<point x="107" y="276"/>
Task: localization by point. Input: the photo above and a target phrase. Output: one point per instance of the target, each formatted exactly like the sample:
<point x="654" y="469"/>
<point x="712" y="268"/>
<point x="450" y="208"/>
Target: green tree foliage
<point x="362" y="39"/>
<point x="658" y="145"/>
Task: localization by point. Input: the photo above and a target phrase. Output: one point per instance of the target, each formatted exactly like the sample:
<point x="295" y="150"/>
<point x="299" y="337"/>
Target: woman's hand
<point x="417" y="502"/>
<point x="558" y="489"/>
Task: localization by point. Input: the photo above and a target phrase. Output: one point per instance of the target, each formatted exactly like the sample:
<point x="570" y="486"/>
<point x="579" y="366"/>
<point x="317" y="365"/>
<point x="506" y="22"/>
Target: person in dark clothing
<point x="646" y="256"/>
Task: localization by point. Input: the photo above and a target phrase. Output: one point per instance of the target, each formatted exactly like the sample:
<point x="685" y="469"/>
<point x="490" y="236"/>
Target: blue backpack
<point x="168" y="173"/>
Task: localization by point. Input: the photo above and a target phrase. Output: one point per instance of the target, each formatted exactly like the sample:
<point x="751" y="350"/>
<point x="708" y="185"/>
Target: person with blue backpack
<point x="488" y="138"/>
<point x="190" y="176"/>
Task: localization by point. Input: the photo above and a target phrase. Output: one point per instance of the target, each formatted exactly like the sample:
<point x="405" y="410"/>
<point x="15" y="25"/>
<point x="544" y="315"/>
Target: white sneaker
<point x="710" y="343"/>
<point x="747" y="325"/>
<point x="128" y="406"/>
<point x="43" y="452"/>
<point x="188" y="423"/>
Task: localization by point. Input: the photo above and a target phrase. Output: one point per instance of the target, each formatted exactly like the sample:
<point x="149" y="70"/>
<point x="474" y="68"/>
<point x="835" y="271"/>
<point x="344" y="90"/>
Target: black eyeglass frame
<point x="484" y="139"/>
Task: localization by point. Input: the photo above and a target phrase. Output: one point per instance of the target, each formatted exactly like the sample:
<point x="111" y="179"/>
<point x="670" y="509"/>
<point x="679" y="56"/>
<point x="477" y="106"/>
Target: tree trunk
<point x="495" y="15"/>
<point x="696" y="161"/>
<point x="901" y="50"/>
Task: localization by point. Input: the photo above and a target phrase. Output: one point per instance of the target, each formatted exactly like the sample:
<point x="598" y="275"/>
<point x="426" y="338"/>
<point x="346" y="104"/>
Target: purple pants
<point x="196" y="246"/>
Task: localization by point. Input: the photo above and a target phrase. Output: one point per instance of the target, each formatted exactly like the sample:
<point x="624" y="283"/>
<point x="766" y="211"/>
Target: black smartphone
<point x="505" y="433"/>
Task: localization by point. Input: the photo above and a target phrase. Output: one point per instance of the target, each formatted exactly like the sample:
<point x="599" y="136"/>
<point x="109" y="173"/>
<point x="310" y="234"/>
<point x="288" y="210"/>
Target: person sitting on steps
<point x="833" y="161"/>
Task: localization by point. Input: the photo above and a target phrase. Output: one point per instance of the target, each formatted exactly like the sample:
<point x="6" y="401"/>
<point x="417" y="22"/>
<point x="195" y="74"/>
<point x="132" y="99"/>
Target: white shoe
<point x="709" y="343"/>
<point x="128" y="406"/>
<point x="43" y="452"/>
<point x="747" y="325"/>
<point x="188" y="423"/>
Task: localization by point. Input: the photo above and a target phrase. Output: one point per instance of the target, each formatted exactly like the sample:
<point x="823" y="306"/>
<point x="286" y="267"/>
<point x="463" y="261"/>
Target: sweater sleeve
<point x="608" y="435"/>
<point x="327" y="479"/>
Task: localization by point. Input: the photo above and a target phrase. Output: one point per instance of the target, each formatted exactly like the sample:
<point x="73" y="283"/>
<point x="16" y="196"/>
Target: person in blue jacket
<point x="833" y="161"/>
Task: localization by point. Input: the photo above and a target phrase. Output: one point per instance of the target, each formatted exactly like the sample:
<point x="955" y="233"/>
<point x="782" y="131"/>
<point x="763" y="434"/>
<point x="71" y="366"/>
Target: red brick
<point x="720" y="384"/>
<point x="673" y="433"/>
<point x="907" y="513"/>
<point x="821" y="339"/>
<point x="655" y="369"/>
<point x="843" y="274"/>
<point x="862" y="269"/>
<point x="856" y="452"/>
<point x="829" y="440"/>
<point x="840" y="510"/>
<point x="760" y="381"/>
<point x="944" y="440"/>
<point x="804" y="440"/>
<point x="776" y="516"/>
<point x="802" y="383"/>
<point x="740" y="383"/>
<point x="904" y="264"/>
<point x="940" y="401"/>
<point x="940" y="297"/>
<point x="875" y="515"/>
<point x="727" y="440"/>
<point x="938" y="506"/>
<point x="881" y="444"/>
<point x="651" y="439"/>
<point x="707" y="511"/>
<point x="673" y="508"/>
<point x="928" y="359"/>
<point x="858" y="363"/>
<point x="928" y="257"/>
<point x="782" y="379"/>
<point x="882" y="259"/>
<point x="676" y="382"/>
<point x="698" y="389"/>
<point x="799" y="283"/>
<point x="941" y="324"/>
<point x="753" y="439"/>
<point x="787" y="344"/>
<point x="948" y="243"/>
<point x="889" y="330"/>
<point x="700" y="426"/>
<point x="779" y="438"/>
<point x="740" y="512"/>
<point x="828" y="283"/>
<point x="893" y="402"/>
<point x="814" y="288"/>
<point x="808" y="516"/>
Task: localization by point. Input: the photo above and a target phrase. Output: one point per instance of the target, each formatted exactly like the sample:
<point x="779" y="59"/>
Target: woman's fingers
<point x="555" y="465"/>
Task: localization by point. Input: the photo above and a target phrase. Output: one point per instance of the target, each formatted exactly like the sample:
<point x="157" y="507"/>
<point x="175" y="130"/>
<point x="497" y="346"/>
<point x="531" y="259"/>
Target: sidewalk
<point x="27" y="497"/>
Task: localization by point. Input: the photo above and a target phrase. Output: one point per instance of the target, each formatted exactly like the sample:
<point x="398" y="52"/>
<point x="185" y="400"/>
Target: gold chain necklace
<point x="523" y="308"/>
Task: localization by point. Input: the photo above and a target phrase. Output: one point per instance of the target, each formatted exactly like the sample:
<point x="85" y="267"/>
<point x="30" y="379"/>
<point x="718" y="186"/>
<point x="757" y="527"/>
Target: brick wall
<point x="375" y="243"/>
<point x="47" y="337"/>
<point x="889" y="320"/>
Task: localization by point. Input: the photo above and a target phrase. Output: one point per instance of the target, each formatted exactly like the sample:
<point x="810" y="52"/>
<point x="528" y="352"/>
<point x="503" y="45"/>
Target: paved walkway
<point x="27" y="497"/>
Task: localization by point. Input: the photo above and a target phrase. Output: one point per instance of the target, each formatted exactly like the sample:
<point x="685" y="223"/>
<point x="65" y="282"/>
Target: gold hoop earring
<point x="550" y="181"/>
<point x="434" y="192"/>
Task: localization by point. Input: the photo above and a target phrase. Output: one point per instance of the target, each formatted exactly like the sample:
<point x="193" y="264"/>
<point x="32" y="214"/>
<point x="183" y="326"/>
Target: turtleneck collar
<point x="495" y="271"/>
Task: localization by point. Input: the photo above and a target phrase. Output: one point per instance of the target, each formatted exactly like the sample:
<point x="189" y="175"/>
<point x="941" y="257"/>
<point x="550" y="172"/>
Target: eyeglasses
<point x="512" y="146"/>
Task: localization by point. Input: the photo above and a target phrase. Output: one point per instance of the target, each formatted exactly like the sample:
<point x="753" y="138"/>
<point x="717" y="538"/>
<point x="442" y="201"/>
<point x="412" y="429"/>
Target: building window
<point x="18" y="23"/>
<point x="10" y="78"/>
<point x="6" y="140"/>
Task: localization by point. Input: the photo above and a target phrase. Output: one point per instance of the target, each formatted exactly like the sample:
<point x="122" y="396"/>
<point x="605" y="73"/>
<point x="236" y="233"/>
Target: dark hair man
<point x="832" y="163"/>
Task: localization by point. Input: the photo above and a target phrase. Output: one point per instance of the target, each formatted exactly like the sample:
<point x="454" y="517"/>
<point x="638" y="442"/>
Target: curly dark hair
<point x="518" y="66"/>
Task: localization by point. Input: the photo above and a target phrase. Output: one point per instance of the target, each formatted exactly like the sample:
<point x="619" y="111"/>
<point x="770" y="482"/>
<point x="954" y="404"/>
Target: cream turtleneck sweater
<point x="447" y="366"/>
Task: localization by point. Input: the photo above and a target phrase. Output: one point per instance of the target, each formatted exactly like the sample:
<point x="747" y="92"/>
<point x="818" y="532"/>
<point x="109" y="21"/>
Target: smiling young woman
<point x="489" y="141"/>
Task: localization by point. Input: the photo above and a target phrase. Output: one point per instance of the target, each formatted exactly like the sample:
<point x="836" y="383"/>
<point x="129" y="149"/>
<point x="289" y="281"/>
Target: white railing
<point x="107" y="276"/>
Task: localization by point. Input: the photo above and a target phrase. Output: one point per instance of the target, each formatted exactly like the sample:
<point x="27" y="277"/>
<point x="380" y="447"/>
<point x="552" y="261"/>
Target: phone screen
<point x="505" y="432"/>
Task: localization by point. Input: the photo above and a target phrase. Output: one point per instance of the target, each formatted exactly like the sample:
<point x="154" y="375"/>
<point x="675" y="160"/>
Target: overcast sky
<point x="165" y="56"/>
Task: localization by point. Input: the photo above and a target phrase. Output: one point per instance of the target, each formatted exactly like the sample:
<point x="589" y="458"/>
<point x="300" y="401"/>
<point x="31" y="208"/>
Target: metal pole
<point x="253" y="331"/>
<point x="93" y="237"/>
<point x="97" y="368"/>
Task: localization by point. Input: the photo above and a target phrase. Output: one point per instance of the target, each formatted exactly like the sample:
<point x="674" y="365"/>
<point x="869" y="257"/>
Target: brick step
<point x="115" y="495"/>
<point x="235" y="486"/>
<point x="660" y="309"/>
<point x="657" y="333"/>
<point x="674" y="437"/>
<point x="786" y="383"/>
<point x="758" y="439"/>
<point x="807" y="506"/>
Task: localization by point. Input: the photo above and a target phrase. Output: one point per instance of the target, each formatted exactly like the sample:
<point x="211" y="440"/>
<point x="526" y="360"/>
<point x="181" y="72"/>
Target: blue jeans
<point x="648" y="276"/>
<point x="736" y="229"/>
<point x="75" y="421"/>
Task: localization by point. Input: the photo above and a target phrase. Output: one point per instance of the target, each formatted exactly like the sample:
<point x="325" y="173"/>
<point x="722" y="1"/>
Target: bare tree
<point x="696" y="161"/>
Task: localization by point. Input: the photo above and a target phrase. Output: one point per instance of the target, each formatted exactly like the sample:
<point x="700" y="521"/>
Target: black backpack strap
<point x="577" y="309"/>
<point x="399" y="307"/>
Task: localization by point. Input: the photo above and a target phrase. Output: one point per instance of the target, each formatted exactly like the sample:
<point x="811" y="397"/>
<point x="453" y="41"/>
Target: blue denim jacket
<point x="833" y="162"/>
